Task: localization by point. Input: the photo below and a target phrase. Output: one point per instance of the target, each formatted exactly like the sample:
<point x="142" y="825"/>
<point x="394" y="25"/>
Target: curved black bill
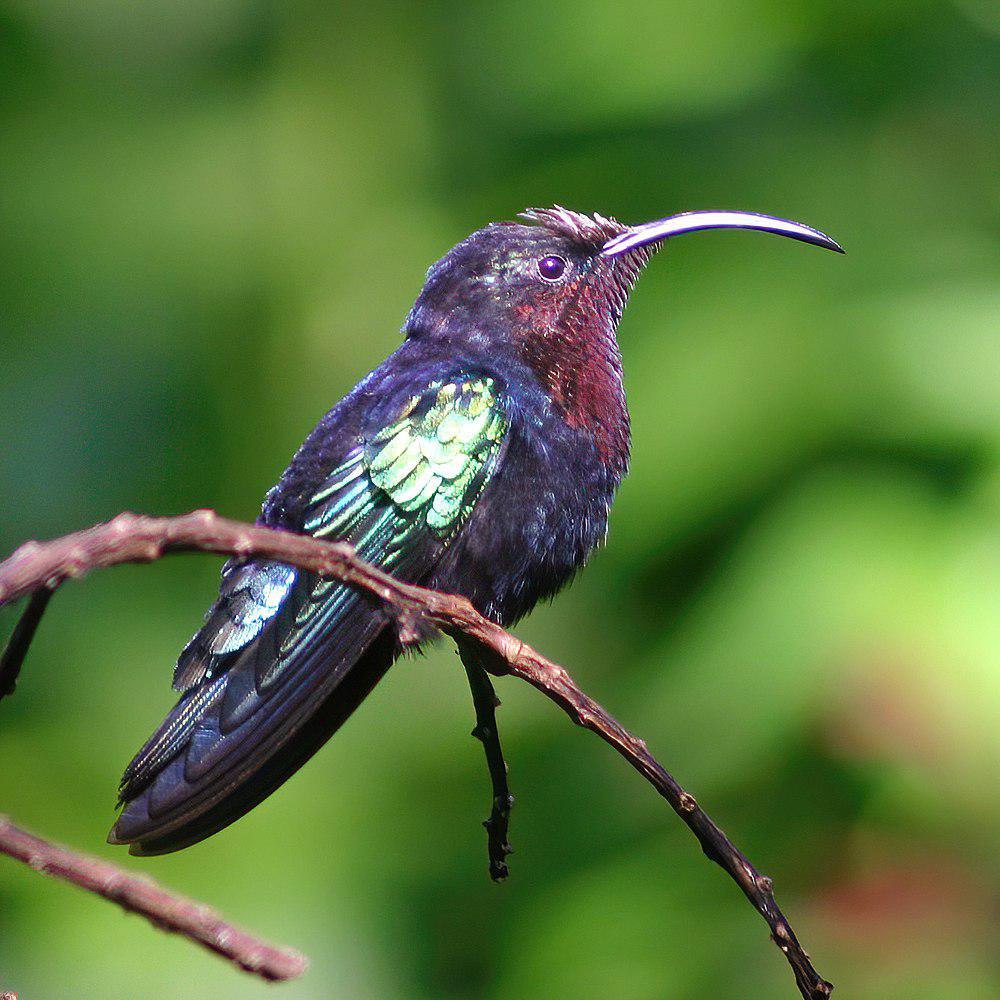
<point x="691" y="222"/>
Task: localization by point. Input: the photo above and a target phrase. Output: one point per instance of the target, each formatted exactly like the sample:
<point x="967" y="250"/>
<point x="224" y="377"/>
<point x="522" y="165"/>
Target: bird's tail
<point x="171" y="811"/>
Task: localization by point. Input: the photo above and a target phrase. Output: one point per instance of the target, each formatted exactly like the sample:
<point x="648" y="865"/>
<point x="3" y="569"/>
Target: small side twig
<point x="485" y="701"/>
<point x="138" y="894"/>
<point x="20" y="640"/>
<point x="132" y="538"/>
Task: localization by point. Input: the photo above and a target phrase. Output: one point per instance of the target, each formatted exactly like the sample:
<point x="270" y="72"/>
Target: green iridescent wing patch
<point x="430" y="463"/>
<point x="420" y="475"/>
<point x="433" y="458"/>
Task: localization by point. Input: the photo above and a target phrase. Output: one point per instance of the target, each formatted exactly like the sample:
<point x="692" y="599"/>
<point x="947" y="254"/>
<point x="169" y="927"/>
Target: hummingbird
<point x="480" y="458"/>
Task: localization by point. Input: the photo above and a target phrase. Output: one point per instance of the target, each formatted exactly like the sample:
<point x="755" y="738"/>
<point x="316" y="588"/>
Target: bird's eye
<point x="552" y="268"/>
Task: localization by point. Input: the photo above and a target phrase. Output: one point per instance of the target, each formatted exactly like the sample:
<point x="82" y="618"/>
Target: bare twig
<point x="486" y="703"/>
<point x="20" y="641"/>
<point x="142" y="895"/>
<point x="132" y="538"/>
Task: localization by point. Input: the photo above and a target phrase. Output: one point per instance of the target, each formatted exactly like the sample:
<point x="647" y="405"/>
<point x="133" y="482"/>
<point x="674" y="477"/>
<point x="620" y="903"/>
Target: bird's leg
<point x="485" y="700"/>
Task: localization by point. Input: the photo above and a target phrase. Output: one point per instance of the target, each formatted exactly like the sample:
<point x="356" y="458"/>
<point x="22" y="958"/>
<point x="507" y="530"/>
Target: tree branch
<point x="138" y="894"/>
<point x="132" y="538"/>
<point x="20" y="641"/>
<point x="486" y="703"/>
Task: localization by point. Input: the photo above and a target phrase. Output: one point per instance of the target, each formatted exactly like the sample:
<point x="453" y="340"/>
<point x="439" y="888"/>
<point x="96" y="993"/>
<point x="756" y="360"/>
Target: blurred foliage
<point x="214" y="217"/>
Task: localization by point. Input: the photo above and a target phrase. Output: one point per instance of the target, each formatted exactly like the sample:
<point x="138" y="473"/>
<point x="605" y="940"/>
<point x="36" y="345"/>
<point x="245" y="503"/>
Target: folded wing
<point x="284" y="657"/>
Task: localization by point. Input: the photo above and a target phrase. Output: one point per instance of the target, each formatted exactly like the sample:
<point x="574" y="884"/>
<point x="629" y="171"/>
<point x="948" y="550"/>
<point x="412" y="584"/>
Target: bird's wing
<point x="278" y="642"/>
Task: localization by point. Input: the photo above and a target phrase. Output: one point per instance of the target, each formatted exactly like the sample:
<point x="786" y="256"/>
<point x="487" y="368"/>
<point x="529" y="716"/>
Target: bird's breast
<point x="538" y="520"/>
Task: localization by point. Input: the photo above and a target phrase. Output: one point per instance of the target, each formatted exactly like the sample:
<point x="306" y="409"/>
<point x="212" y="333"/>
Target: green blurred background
<point x="213" y="217"/>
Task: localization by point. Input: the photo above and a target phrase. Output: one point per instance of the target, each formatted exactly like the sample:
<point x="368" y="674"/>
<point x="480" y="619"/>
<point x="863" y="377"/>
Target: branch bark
<point x="133" y="538"/>
<point x="138" y="894"/>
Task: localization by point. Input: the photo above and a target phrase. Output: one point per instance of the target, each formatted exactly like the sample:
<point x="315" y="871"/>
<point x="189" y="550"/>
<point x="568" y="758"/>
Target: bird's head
<point x="559" y="274"/>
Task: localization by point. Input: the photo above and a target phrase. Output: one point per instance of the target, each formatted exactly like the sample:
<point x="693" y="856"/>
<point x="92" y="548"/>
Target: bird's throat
<point x="575" y="355"/>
